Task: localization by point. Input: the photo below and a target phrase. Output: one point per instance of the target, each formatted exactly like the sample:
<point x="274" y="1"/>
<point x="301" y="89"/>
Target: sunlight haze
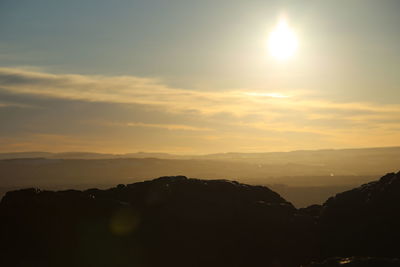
<point x="282" y="41"/>
<point x="198" y="77"/>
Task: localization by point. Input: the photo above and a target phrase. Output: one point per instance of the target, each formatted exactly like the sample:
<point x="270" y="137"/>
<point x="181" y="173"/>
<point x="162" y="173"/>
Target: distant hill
<point x="303" y="177"/>
<point x="22" y="155"/>
<point x="299" y="156"/>
<point x="330" y="161"/>
<point x="43" y="172"/>
<point x="88" y="155"/>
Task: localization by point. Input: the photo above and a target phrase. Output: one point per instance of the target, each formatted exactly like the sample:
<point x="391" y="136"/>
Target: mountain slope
<point x="363" y="221"/>
<point x="176" y="221"/>
<point x="170" y="221"/>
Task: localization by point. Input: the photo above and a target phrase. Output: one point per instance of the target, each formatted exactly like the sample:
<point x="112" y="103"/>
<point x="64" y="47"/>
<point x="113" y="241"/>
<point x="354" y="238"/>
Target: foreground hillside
<point x="170" y="221"/>
<point x="176" y="221"/>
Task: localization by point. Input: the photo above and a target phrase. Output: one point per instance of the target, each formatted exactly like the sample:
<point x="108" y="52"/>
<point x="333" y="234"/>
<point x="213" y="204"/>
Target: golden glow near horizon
<point x="272" y="95"/>
<point x="144" y="114"/>
<point x="282" y="41"/>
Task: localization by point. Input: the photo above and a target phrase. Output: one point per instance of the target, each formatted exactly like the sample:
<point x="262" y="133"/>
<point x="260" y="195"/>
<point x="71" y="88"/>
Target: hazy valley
<point x="302" y="177"/>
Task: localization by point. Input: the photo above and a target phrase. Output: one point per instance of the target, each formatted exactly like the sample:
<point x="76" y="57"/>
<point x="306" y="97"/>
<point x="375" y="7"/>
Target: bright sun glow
<point x="282" y="41"/>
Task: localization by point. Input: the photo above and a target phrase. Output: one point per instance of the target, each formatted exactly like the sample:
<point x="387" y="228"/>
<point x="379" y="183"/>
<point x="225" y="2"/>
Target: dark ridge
<point x="177" y="221"/>
<point x="169" y="221"/>
<point x="363" y="221"/>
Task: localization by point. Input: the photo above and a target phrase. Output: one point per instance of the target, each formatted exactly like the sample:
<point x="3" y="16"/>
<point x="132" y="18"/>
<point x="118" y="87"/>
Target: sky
<point x="195" y="77"/>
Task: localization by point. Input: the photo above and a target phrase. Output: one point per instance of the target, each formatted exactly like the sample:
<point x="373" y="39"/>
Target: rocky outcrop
<point x="363" y="221"/>
<point x="169" y="221"/>
<point x="176" y="221"/>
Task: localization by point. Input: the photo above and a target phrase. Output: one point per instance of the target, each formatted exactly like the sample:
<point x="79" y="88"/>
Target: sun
<point x="282" y="41"/>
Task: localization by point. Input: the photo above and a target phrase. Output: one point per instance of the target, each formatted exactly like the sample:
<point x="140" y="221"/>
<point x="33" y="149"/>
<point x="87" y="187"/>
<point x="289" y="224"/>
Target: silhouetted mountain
<point x="170" y="221"/>
<point x="24" y="155"/>
<point x="176" y="221"/>
<point x="380" y="156"/>
<point x="363" y="221"/>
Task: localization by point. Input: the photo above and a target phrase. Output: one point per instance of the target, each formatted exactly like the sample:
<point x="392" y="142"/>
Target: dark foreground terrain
<point x="176" y="221"/>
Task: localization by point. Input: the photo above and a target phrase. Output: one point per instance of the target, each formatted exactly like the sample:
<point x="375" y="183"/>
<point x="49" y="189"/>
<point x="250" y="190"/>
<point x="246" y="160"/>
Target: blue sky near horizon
<point x="195" y="77"/>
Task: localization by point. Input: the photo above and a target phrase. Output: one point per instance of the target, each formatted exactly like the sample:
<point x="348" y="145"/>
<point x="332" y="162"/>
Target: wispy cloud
<point x="130" y="89"/>
<point x="17" y="105"/>
<point x="273" y="95"/>
<point x="180" y="127"/>
<point x="249" y="113"/>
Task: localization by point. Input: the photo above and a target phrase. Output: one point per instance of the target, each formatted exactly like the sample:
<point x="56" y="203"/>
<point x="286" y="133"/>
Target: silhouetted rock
<point x="363" y="221"/>
<point x="176" y="221"/>
<point x="169" y="221"/>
